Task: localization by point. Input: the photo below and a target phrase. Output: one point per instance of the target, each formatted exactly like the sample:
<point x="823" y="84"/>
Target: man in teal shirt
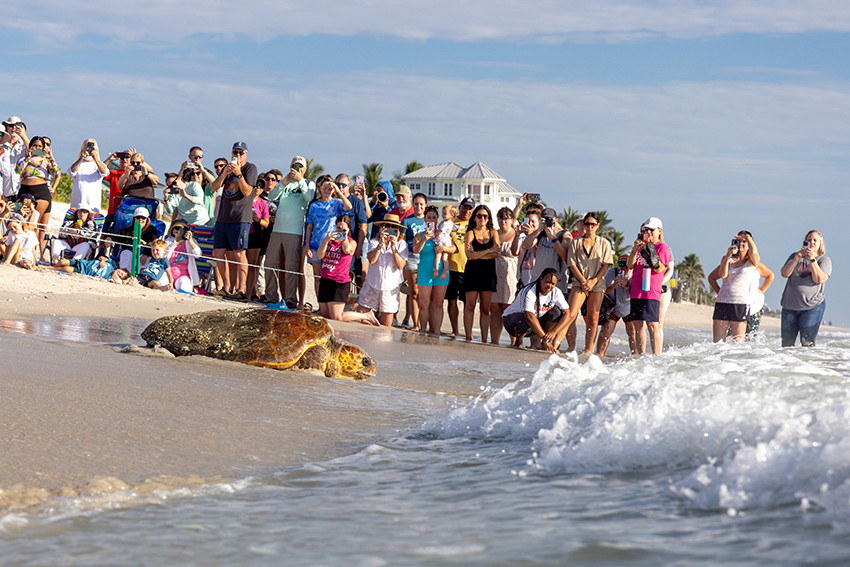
<point x="293" y="194"/>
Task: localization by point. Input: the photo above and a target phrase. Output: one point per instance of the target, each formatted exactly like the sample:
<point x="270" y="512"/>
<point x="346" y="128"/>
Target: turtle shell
<point x="261" y="337"/>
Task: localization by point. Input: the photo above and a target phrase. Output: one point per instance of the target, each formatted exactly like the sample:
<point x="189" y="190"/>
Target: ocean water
<point x="733" y="454"/>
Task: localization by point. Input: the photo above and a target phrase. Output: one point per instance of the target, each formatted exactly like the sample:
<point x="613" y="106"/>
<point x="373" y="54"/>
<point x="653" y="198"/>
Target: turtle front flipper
<point x="316" y="358"/>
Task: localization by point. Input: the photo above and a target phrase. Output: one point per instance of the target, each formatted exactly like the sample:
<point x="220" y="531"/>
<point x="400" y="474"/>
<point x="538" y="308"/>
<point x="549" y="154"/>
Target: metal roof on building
<point x="451" y="170"/>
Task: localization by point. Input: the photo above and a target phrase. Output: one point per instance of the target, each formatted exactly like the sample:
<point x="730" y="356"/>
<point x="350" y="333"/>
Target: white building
<point x="449" y="183"/>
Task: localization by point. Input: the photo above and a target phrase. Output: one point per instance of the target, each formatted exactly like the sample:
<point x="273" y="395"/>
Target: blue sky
<point x="714" y="116"/>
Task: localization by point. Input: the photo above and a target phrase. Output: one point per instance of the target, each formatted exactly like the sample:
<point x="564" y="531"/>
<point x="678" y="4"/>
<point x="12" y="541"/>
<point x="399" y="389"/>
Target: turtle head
<point x="353" y="363"/>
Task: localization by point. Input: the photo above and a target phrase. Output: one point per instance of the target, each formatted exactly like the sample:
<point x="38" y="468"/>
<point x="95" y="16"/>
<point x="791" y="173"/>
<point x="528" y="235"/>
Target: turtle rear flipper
<point x="650" y="255"/>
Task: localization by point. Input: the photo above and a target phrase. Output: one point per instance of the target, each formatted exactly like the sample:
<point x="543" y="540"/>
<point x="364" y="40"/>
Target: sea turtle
<point x="262" y="337"/>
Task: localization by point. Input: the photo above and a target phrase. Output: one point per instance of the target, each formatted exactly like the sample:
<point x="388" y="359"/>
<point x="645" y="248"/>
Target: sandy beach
<point x="80" y="416"/>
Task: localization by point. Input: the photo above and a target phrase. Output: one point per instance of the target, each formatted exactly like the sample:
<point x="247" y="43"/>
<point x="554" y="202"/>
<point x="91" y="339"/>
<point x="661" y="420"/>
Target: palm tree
<point x="691" y="274"/>
<point x="410" y="167"/>
<point x="569" y="218"/>
<point x="372" y="173"/>
<point x="615" y="237"/>
<point x="606" y="230"/>
<point x="313" y="171"/>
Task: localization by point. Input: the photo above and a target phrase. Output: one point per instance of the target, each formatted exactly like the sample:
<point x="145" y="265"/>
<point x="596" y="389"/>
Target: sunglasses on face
<point x="136" y="163"/>
<point x="238" y="152"/>
<point x="481" y="216"/>
<point x="220" y="165"/>
<point x="591" y="224"/>
<point x="196" y="157"/>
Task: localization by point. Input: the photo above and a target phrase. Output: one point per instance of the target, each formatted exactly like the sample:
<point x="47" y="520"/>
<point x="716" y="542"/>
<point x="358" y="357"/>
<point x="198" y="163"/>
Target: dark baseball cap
<point x="240" y="146"/>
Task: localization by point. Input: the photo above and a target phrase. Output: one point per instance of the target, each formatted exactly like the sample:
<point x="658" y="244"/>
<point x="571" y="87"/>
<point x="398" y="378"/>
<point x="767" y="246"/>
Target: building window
<point x="415" y="187"/>
<point x="474" y="190"/>
<point x="448" y="189"/>
<point x="432" y="189"/>
<point x="487" y="189"/>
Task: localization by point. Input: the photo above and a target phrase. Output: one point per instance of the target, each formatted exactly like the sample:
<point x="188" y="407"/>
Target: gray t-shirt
<point x="621" y="296"/>
<point x="801" y="292"/>
<point x="236" y="207"/>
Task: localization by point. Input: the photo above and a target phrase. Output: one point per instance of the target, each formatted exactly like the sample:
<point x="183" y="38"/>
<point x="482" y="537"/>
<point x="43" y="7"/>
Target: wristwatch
<point x="239" y="176"/>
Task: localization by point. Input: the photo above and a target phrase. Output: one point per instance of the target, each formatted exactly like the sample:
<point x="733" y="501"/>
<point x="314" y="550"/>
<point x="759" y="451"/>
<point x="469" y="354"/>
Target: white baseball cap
<point x="653" y="223"/>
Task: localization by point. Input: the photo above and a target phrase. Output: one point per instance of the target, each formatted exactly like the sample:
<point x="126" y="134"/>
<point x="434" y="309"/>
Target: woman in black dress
<point x="479" y="277"/>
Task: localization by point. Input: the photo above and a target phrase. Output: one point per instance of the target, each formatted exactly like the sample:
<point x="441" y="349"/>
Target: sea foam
<point x="727" y="426"/>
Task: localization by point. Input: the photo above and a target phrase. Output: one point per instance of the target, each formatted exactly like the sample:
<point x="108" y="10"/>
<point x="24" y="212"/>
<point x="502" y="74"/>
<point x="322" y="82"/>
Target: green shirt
<point x="192" y="211"/>
<point x="292" y="201"/>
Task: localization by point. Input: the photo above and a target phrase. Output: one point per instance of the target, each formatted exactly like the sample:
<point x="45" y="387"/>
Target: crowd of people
<point x="521" y="268"/>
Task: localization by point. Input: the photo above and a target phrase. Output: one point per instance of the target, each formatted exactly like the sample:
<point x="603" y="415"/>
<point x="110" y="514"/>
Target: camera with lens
<point x="122" y="155"/>
<point x="89" y="148"/>
<point x="383" y="197"/>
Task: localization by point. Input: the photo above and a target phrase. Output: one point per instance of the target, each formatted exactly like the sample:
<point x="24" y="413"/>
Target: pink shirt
<point x="262" y="210"/>
<point x="179" y="261"/>
<point x="655" y="279"/>
<point x="336" y="265"/>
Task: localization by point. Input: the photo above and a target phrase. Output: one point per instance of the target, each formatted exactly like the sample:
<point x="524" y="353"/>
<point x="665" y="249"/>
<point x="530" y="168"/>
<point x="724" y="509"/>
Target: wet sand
<point x="79" y="416"/>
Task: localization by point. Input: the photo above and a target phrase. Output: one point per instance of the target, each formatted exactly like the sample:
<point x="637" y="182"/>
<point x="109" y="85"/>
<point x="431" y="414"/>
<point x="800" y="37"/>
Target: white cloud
<point x="161" y="22"/>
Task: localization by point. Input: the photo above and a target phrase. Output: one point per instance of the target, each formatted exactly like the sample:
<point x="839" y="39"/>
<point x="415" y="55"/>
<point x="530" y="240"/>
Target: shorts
<point x="614" y="318"/>
<point x="730" y="312"/>
<point x="41" y="192"/>
<point x="231" y="235"/>
<point x="455" y="289"/>
<point x="516" y="324"/>
<point x="383" y="301"/>
<point x="412" y="261"/>
<point x="645" y="310"/>
<point x="331" y="291"/>
<point x="144" y="279"/>
<point x="255" y="239"/>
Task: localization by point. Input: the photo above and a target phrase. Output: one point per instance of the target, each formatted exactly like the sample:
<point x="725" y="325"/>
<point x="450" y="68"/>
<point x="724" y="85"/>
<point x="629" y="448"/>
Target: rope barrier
<point x="100" y="240"/>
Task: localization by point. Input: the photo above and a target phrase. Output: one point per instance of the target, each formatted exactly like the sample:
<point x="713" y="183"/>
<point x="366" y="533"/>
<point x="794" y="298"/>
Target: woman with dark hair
<point x="260" y="219"/>
<point x="803" y="302"/>
<point x="539" y="308"/>
<point x="589" y="259"/>
<point x="39" y="177"/>
<point x="506" y="270"/>
<point x="432" y="289"/>
<point x="336" y="252"/>
<point x="479" y="276"/>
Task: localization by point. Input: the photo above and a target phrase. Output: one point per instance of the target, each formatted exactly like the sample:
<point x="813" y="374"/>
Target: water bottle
<point x="647" y="274"/>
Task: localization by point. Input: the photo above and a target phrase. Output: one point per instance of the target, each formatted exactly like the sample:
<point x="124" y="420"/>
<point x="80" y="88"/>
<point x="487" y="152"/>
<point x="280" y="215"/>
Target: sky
<point x="714" y="116"/>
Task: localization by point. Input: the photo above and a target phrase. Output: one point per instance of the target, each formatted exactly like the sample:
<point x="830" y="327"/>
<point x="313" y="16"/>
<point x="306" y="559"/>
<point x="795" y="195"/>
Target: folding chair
<point x="205" y="264"/>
